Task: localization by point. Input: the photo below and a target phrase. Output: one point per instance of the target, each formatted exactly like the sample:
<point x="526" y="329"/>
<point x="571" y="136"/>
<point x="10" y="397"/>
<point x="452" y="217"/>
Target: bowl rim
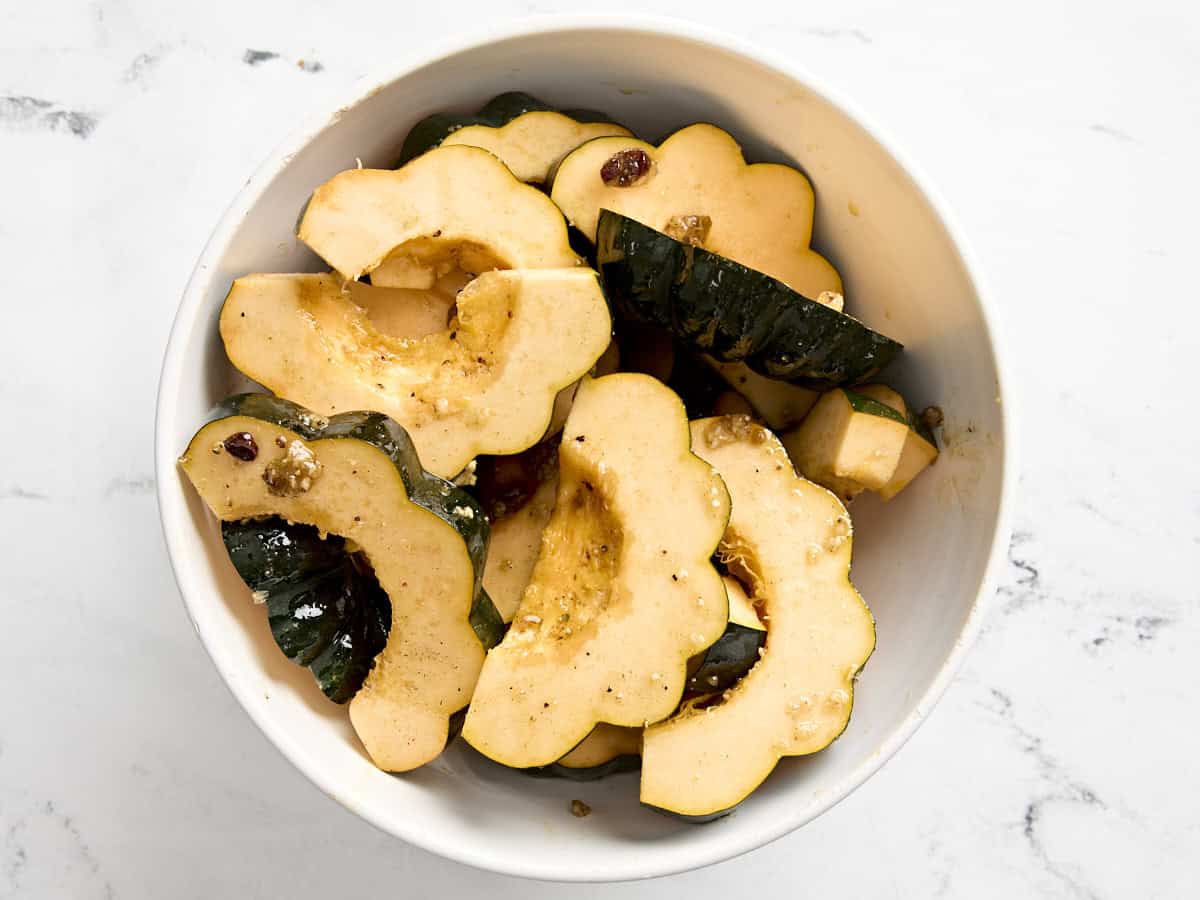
<point x="749" y="836"/>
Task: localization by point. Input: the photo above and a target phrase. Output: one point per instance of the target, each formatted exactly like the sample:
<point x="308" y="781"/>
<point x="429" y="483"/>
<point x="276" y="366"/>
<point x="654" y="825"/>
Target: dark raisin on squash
<point x="241" y="445"/>
<point x="625" y="167"/>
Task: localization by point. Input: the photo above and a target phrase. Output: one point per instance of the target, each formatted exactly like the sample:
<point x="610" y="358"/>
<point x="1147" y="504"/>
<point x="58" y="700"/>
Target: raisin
<point x="241" y="446"/>
<point x="625" y="167"/>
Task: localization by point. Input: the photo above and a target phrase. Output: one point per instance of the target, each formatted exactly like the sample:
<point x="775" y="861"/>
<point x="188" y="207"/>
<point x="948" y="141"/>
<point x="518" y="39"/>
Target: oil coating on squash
<point x="623" y="591"/>
<point x="792" y="540"/>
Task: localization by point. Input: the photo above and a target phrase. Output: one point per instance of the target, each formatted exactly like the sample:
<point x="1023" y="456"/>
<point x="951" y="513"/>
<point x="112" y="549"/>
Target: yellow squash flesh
<point x="917" y="453"/>
<point x="622" y="593"/>
<point x="792" y="540"/>
<point x="428" y="668"/>
<point x="846" y="450"/>
<point x="604" y="744"/>
<point x="453" y="207"/>
<point x="516" y="539"/>
<point x="762" y="214"/>
<point x="485" y="383"/>
<point x="533" y="143"/>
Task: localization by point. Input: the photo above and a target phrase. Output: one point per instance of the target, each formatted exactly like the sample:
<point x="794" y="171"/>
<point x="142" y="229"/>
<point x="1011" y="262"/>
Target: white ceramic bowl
<point x="922" y="562"/>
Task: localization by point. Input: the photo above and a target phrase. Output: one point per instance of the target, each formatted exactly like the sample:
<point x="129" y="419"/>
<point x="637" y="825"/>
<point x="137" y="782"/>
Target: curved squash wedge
<point x="484" y="384"/>
<point x="516" y="539"/>
<point x="779" y="404"/>
<point x="623" y="591"/>
<point x="759" y="215"/>
<point x="607" y="750"/>
<point x="454" y="207"/>
<point x="717" y="306"/>
<point x="357" y="475"/>
<point x="524" y="133"/>
<point x="850" y="442"/>
<point x="920" y="446"/>
<point x="793" y="540"/>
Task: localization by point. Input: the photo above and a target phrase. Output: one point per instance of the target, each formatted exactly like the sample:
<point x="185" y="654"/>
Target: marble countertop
<point x="1061" y="763"/>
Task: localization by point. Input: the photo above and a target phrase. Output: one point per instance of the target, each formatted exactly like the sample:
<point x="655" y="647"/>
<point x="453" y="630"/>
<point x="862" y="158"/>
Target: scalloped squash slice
<point x="607" y="750"/>
<point x="357" y="476"/>
<point x="623" y="591"/>
<point x="485" y="383"/>
<point x="698" y="188"/>
<point x="791" y="540"/>
<point x="524" y="133"/>
<point x="849" y="442"/>
<point x="516" y="539"/>
<point x="453" y="207"/>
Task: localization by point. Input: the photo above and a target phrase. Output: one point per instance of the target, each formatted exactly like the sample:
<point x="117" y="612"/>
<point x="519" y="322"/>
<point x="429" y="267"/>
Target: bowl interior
<point x="919" y="561"/>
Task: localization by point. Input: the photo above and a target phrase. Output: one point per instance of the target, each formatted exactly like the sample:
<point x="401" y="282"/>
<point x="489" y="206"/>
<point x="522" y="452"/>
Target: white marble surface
<point x="1063" y="761"/>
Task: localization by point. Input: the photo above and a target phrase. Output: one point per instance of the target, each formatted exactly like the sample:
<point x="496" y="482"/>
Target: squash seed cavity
<point x="572" y="581"/>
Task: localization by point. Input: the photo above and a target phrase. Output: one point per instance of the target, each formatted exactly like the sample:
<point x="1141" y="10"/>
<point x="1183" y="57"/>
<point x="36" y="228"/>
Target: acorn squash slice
<point x="604" y="631"/>
<point x="792" y="538"/>
<point x="525" y="134"/>
<point x="698" y="186"/>
<point x="486" y="383"/>
<point x="779" y="404"/>
<point x="849" y="443"/>
<point x="452" y="208"/>
<point x="516" y="539"/>
<point x="517" y="493"/>
<point x="607" y="750"/>
<point x="357" y="476"/>
<point x="735" y="314"/>
<point x="920" y="446"/>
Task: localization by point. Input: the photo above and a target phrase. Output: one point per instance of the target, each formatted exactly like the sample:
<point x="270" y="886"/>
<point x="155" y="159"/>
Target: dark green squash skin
<point x="325" y="611"/>
<point x="730" y="658"/>
<point x="498" y="111"/>
<point x="457" y="720"/>
<point x="872" y="407"/>
<point x="295" y="567"/>
<point x="698" y="385"/>
<point x="694" y="820"/>
<point x="733" y="313"/>
<point x="626" y="762"/>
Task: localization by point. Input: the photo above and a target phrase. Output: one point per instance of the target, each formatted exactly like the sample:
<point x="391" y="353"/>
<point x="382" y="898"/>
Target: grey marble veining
<point x="1061" y="763"/>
